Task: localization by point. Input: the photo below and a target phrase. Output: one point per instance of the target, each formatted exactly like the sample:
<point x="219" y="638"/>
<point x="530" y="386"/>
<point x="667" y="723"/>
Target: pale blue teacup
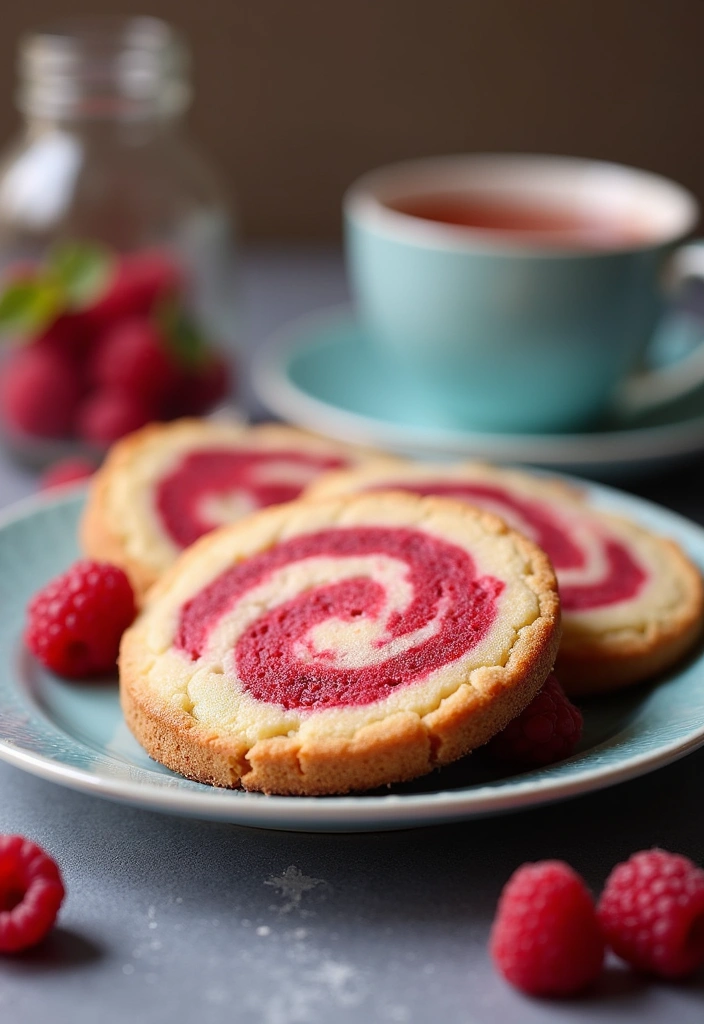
<point x="497" y="329"/>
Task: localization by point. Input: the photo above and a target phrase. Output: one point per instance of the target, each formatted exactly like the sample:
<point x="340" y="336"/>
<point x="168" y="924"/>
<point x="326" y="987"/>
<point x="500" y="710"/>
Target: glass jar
<point x="104" y="199"/>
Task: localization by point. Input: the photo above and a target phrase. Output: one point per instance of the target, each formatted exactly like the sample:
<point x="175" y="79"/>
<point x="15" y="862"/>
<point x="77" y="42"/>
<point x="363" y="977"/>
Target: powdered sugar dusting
<point x="292" y="884"/>
<point x="306" y="982"/>
<point x="308" y="988"/>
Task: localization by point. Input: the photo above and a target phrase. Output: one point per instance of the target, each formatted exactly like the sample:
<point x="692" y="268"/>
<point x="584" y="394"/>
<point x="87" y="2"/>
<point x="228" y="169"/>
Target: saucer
<point x="318" y="373"/>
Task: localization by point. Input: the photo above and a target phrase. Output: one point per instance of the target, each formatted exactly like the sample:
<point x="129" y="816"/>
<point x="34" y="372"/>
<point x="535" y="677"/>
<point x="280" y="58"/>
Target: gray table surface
<point x="175" y="920"/>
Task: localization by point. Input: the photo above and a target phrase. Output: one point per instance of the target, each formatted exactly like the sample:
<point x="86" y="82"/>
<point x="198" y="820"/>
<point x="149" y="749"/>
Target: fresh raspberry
<point x="108" y="415"/>
<point x="199" y="390"/>
<point x="133" y="356"/>
<point x="139" y="281"/>
<point x="652" y="913"/>
<point x="545" y="939"/>
<point x="31" y="892"/>
<point x="69" y="334"/>
<point x="66" y="471"/>
<point x="74" y="624"/>
<point x="39" y="392"/>
<point x="212" y="384"/>
<point x="548" y="730"/>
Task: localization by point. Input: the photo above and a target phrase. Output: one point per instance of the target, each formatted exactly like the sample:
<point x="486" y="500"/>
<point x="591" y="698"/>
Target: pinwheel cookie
<point x="164" y="486"/>
<point x="314" y="649"/>
<point x="631" y="601"/>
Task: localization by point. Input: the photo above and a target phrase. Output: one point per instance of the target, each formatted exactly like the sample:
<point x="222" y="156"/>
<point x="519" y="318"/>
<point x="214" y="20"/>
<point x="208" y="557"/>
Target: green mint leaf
<point x="28" y="306"/>
<point x="184" y="339"/>
<point x="82" y="270"/>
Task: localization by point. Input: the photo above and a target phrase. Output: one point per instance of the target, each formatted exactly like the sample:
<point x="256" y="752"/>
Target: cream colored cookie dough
<point x="196" y="714"/>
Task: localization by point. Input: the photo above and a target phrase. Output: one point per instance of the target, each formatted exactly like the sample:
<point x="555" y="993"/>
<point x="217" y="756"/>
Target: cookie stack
<point x="380" y="619"/>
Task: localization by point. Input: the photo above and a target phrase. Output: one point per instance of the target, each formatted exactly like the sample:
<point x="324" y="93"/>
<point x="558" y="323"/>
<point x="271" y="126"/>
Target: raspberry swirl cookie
<point x="632" y="602"/>
<point x="326" y="648"/>
<point x="166" y="485"/>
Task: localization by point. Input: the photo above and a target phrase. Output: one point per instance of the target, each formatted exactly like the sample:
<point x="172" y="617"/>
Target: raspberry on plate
<point x="75" y="623"/>
<point x="547" y="731"/>
<point x="546" y="939"/>
<point x="652" y="913"/>
<point x="31" y="892"/>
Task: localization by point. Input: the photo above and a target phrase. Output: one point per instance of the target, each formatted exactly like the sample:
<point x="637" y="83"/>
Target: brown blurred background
<point x="295" y="98"/>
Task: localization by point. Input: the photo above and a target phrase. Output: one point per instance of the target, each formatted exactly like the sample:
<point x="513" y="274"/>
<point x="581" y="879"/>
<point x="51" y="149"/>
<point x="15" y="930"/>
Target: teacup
<point x="512" y="293"/>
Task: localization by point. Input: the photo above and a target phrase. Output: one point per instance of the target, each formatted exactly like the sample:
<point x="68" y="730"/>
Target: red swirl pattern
<point x="623" y="578"/>
<point x="215" y="472"/>
<point x="445" y="591"/>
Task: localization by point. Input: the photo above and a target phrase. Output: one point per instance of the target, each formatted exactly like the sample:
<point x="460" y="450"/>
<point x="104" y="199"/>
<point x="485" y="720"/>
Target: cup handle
<point x="646" y="390"/>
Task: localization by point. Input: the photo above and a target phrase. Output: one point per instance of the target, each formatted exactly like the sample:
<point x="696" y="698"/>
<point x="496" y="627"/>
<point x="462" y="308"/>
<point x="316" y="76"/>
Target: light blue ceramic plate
<point x="318" y="372"/>
<point x="74" y="734"/>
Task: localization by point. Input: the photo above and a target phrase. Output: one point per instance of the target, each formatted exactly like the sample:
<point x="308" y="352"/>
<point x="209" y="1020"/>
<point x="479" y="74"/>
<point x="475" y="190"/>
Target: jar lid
<point x="104" y="68"/>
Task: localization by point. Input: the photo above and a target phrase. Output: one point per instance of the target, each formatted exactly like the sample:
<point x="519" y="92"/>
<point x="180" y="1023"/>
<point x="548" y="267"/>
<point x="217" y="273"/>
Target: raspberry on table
<point x="546" y="939"/>
<point x="75" y="623"/>
<point x="548" y="730"/>
<point x="652" y="913"/>
<point x="66" y="471"/>
<point x="31" y="892"/>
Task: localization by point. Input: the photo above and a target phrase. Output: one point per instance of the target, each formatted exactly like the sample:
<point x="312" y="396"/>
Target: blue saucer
<point x="319" y="373"/>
